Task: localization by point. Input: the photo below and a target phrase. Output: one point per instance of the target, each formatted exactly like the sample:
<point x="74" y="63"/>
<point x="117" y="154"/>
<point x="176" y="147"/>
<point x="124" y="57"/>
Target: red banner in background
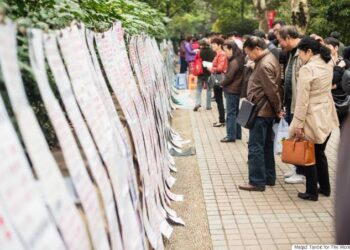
<point x="271" y="17"/>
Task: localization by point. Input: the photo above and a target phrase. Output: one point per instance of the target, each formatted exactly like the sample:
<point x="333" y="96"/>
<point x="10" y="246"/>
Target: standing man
<point x="277" y="25"/>
<point x="288" y="38"/>
<point x="263" y="90"/>
<point x="336" y="35"/>
<point x="182" y="55"/>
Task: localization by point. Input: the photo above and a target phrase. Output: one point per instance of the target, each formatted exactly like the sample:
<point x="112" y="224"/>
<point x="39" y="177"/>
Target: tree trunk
<point x="167" y="11"/>
<point x="261" y="12"/>
<point x="300" y="15"/>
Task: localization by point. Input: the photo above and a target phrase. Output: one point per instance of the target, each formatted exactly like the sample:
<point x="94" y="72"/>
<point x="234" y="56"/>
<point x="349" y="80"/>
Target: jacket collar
<point x="220" y="52"/>
<point x="314" y="58"/>
<point x="266" y="51"/>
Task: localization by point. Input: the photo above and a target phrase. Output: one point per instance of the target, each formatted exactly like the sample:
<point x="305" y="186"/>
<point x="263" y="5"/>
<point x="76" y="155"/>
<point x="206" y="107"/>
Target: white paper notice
<point x="9" y="239"/>
<point x="54" y="189"/>
<point x="118" y="79"/>
<point x="83" y="134"/>
<point x="153" y="129"/>
<point x="116" y="123"/>
<point x="19" y="198"/>
<point x="72" y="157"/>
<point x="76" y="56"/>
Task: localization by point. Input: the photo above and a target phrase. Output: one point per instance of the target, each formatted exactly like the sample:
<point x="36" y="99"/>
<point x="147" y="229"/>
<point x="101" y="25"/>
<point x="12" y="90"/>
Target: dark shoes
<point x="196" y="108"/>
<point x="306" y="196"/>
<point x="248" y="187"/>
<point x="323" y="192"/>
<point x="218" y="124"/>
<point x="227" y="140"/>
<point x="270" y="183"/>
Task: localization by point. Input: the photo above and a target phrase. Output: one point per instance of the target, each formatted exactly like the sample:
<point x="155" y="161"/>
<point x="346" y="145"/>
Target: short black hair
<point x="271" y="36"/>
<point x="332" y="41"/>
<point x="288" y="31"/>
<point x="259" y="33"/>
<point x="280" y="22"/>
<point x="335" y="34"/>
<point x="346" y="53"/>
<point x="246" y="36"/>
<point x="232" y="33"/>
<point x="253" y="42"/>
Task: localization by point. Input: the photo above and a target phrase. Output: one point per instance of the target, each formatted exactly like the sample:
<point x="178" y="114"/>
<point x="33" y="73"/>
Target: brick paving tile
<point x="274" y="219"/>
<point x="269" y="247"/>
<point x="257" y="247"/>
<point x="237" y="247"/>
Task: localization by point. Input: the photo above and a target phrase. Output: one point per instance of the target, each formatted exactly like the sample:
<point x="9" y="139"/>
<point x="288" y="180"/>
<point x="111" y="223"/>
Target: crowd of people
<point x="303" y="79"/>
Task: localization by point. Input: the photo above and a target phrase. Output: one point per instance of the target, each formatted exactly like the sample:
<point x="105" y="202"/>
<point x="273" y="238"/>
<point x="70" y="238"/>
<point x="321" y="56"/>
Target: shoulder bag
<point x="215" y="79"/>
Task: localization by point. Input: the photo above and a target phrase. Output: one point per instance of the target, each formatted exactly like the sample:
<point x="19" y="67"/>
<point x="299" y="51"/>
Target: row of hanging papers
<point x="113" y="126"/>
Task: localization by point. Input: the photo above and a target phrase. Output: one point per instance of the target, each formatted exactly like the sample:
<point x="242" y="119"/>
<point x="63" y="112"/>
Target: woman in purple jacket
<point x="189" y="52"/>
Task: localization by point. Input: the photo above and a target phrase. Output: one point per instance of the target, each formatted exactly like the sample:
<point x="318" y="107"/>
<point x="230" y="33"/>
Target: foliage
<point x="198" y="21"/>
<point x="204" y="16"/>
<point x="283" y="10"/>
<point x="173" y="7"/>
<point x="136" y="17"/>
<point x="234" y="16"/>
<point x="328" y="16"/>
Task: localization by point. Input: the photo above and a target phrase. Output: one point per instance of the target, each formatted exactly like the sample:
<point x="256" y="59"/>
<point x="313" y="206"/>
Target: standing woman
<point x="182" y="54"/>
<point x="232" y="85"/>
<point x="207" y="55"/>
<point x="219" y="67"/>
<point x="339" y="66"/>
<point x="315" y="116"/>
<point x="189" y="51"/>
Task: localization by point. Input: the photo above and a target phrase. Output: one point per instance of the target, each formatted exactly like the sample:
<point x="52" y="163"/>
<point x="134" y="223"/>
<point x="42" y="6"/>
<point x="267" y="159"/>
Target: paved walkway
<point x="274" y="219"/>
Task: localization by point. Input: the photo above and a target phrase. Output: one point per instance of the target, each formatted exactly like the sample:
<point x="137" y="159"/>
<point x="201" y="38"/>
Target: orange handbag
<point x="300" y="152"/>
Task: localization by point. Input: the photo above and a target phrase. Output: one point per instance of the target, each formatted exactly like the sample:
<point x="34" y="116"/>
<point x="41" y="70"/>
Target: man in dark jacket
<point x="263" y="90"/>
<point x="231" y="85"/>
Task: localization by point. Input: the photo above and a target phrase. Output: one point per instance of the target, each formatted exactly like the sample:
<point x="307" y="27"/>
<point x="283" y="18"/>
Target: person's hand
<point x="299" y="133"/>
<point x="282" y="114"/>
<point x="334" y="86"/>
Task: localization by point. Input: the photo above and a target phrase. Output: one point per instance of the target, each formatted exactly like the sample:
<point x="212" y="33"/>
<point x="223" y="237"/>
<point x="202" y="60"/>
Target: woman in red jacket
<point x="219" y="67"/>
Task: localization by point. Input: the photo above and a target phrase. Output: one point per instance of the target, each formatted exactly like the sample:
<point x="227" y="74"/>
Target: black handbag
<point x="342" y="104"/>
<point x="215" y="79"/>
<point x="249" y="111"/>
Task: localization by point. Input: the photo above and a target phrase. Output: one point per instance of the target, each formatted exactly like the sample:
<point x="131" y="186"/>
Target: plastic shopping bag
<point x="281" y="132"/>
